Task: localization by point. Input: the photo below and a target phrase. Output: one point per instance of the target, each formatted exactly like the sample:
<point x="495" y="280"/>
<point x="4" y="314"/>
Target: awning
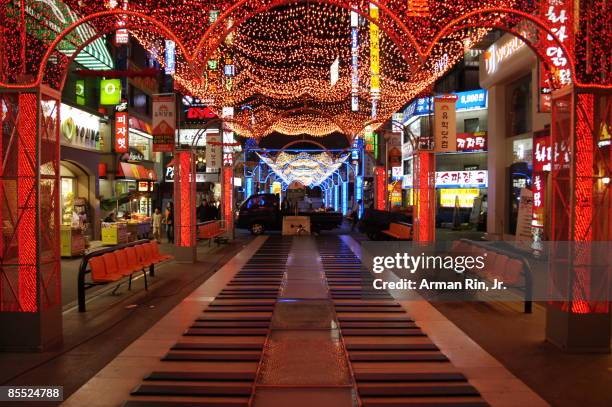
<point x="136" y="172"/>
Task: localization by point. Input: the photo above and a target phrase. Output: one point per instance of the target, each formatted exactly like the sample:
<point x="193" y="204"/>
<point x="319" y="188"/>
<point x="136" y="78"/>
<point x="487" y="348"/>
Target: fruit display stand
<point x="114" y="233"/>
<point x="72" y="241"/>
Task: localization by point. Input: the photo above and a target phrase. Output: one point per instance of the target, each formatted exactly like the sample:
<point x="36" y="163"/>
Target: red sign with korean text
<point x="542" y="161"/>
<point x="557" y="14"/>
<point x="121" y="132"/>
<point x="472" y="141"/>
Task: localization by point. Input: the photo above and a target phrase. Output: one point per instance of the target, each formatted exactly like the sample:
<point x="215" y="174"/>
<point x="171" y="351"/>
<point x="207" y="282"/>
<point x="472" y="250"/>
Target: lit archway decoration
<point x="423" y="43"/>
<point x="309" y="169"/>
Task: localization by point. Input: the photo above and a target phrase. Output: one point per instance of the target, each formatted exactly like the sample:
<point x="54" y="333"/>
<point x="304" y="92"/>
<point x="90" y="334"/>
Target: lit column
<point x="184" y="203"/>
<point x="424" y="185"/>
<point x="228" y="199"/>
<point x="336" y="197"/>
<point x="380" y="197"/>
<point x="580" y="206"/>
<point x="248" y="187"/>
<point x="359" y="193"/>
<point x="31" y="293"/>
<point x="345" y="195"/>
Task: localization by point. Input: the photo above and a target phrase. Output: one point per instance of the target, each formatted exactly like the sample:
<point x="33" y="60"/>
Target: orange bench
<point x="211" y="230"/>
<point x="399" y="231"/>
<point x="113" y="264"/>
<point x="503" y="265"/>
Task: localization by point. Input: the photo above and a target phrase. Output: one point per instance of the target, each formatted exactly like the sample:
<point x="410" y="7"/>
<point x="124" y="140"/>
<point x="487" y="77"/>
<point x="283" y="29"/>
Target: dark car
<point x="262" y="212"/>
<point x="259" y="213"/>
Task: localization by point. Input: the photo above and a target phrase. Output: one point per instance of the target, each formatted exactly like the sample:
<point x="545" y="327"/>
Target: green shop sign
<point x="110" y="92"/>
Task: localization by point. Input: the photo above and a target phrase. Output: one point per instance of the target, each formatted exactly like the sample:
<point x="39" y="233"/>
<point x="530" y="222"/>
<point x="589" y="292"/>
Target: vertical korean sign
<point x="542" y="162"/>
<point x="445" y="124"/>
<point x="164" y="122"/>
<point x="374" y="60"/>
<point x="354" y="61"/>
<point x="557" y="14"/>
<point x="214" y="151"/>
<point x="121" y="132"/>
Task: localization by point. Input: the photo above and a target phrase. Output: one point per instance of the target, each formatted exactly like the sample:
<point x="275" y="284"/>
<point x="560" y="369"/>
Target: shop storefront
<point x="131" y="216"/>
<point x="84" y="141"/>
<point x="459" y="195"/>
<point x="509" y="71"/>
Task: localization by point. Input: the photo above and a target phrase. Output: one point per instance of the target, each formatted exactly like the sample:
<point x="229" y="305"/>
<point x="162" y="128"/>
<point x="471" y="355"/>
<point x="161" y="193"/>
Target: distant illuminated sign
<point x="469" y="100"/>
<point x="472" y="141"/>
<point x="170" y="57"/>
<point x="499" y="52"/>
<point x="455" y="179"/>
<point x="462" y="179"/>
<point x="463" y="198"/>
<point x="80" y="92"/>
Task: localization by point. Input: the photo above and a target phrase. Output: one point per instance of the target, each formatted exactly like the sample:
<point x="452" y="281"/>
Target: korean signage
<point x="542" y="151"/>
<point x="122" y="35"/>
<point x="354" y="61"/>
<point x="164" y="122"/>
<point x="557" y="15"/>
<point x="469" y="100"/>
<point x="214" y="152"/>
<point x="472" y="141"/>
<point x="121" y="132"/>
<point x="110" y="92"/>
<point x="542" y="161"/>
<point x="462" y="179"/>
<point x="445" y="124"/>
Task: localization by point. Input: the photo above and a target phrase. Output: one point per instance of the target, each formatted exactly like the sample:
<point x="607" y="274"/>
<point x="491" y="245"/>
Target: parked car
<point x="262" y="212"/>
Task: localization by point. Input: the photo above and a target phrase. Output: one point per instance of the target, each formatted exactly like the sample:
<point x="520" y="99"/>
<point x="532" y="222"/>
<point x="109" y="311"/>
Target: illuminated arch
<point x="214" y="41"/>
<point x="91" y="18"/>
<point x="481" y="15"/>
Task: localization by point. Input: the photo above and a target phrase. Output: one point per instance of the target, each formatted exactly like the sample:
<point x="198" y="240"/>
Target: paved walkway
<point x="112" y="322"/>
<point x="295" y="322"/>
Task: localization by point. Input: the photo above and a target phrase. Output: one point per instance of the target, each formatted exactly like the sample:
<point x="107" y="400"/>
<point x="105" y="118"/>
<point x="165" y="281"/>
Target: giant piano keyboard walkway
<point x="295" y="322"/>
<point x="300" y="324"/>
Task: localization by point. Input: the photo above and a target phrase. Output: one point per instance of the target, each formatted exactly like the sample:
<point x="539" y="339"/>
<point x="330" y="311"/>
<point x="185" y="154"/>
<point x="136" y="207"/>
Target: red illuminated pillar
<point x="184" y="205"/>
<point x="425" y="200"/>
<point x="228" y="199"/>
<point x="30" y="300"/>
<point x="581" y="213"/>
<point x="380" y="188"/>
